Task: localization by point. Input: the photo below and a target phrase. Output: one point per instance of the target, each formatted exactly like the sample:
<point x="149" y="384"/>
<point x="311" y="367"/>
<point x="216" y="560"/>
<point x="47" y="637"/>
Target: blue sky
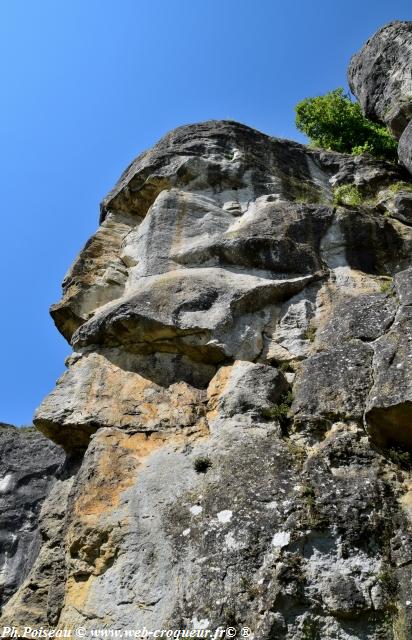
<point x="88" y="84"/>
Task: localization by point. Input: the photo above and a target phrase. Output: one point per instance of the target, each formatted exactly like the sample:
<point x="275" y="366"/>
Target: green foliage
<point x="389" y="583"/>
<point x="308" y="493"/>
<point x="297" y="452"/>
<point x="387" y="286"/>
<point x="279" y="411"/>
<point x="401" y="458"/>
<point x="202" y="464"/>
<point x="359" y="149"/>
<point x="310" y="629"/>
<point x="310" y="333"/>
<point x="347" y="194"/>
<point x="400" y="627"/>
<point x="400" y="186"/>
<point x="252" y="590"/>
<point x="313" y="518"/>
<point x="334" y="122"/>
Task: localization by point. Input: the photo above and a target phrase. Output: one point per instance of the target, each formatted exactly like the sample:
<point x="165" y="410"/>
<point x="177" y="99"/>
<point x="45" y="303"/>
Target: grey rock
<point x="405" y="148"/>
<point x="245" y="390"/>
<point x="333" y="385"/>
<point x="193" y="312"/>
<point x="365" y="316"/>
<point x="403" y="286"/>
<point x="286" y="335"/>
<point x="389" y="408"/>
<point x="374" y="243"/>
<point x="302" y="540"/>
<point x="190" y="230"/>
<point x="380" y="76"/>
<point x="97" y="276"/>
<point x="41" y="594"/>
<point x="29" y="465"/>
<point x="403" y="208"/>
<point x="397" y="204"/>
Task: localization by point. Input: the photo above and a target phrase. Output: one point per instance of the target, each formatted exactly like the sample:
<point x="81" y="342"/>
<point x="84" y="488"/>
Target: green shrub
<point x="347" y="194"/>
<point x="334" y="122"/>
<point x="400" y="186"/>
<point x="387" y="286"/>
<point x="279" y="411"/>
<point x="297" y="452"/>
<point x="202" y="464"/>
<point x="401" y="458"/>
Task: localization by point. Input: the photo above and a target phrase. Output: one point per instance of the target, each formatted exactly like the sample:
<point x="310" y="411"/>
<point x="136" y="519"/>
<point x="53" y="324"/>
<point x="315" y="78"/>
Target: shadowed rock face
<point x="231" y="400"/>
<point x="29" y="465"/>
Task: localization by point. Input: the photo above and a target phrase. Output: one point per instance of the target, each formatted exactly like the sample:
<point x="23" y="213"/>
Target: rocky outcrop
<point x="380" y="76"/>
<point x="29" y="466"/>
<point x="237" y="409"/>
<point x="239" y="229"/>
<point x="234" y="402"/>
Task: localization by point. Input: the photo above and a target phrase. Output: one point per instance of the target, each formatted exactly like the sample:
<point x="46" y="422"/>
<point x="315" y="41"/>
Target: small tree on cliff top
<point x="334" y="122"/>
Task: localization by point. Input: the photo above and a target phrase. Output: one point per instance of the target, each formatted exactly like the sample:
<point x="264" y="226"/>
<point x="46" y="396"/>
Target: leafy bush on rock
<point x="336" y="123"/>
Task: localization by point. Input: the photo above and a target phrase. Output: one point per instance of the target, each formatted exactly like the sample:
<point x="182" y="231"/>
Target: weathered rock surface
<point x="388" y="410"/>
<point x="380" y="76"/>
<point x="96" y="392"/>
<point x="238" y="406"/>
<point x="29" y="465"/>
<point x="405" y="148"/>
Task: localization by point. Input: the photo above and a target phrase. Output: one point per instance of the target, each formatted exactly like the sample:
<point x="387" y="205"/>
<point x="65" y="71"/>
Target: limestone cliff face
<point x="237" y="410"/>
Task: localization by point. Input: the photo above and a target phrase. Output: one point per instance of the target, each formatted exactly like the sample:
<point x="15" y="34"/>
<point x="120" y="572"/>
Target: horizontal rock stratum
<point x="237" y="409"/>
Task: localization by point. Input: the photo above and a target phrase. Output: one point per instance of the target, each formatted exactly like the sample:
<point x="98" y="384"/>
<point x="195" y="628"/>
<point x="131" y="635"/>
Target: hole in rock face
<point x="391" y="427"/>
<point x="202" y="464"/>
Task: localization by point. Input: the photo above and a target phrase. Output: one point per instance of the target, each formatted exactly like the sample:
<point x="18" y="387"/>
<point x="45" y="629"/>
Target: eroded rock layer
<point x="237" y="410"/>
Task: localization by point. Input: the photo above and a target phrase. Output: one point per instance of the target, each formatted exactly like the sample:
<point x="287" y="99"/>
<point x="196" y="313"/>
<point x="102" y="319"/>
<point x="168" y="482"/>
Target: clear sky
<point x="88" y="84"/>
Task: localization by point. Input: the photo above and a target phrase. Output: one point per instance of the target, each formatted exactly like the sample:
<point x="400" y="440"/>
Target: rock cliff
<point x="237" y="409"/>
